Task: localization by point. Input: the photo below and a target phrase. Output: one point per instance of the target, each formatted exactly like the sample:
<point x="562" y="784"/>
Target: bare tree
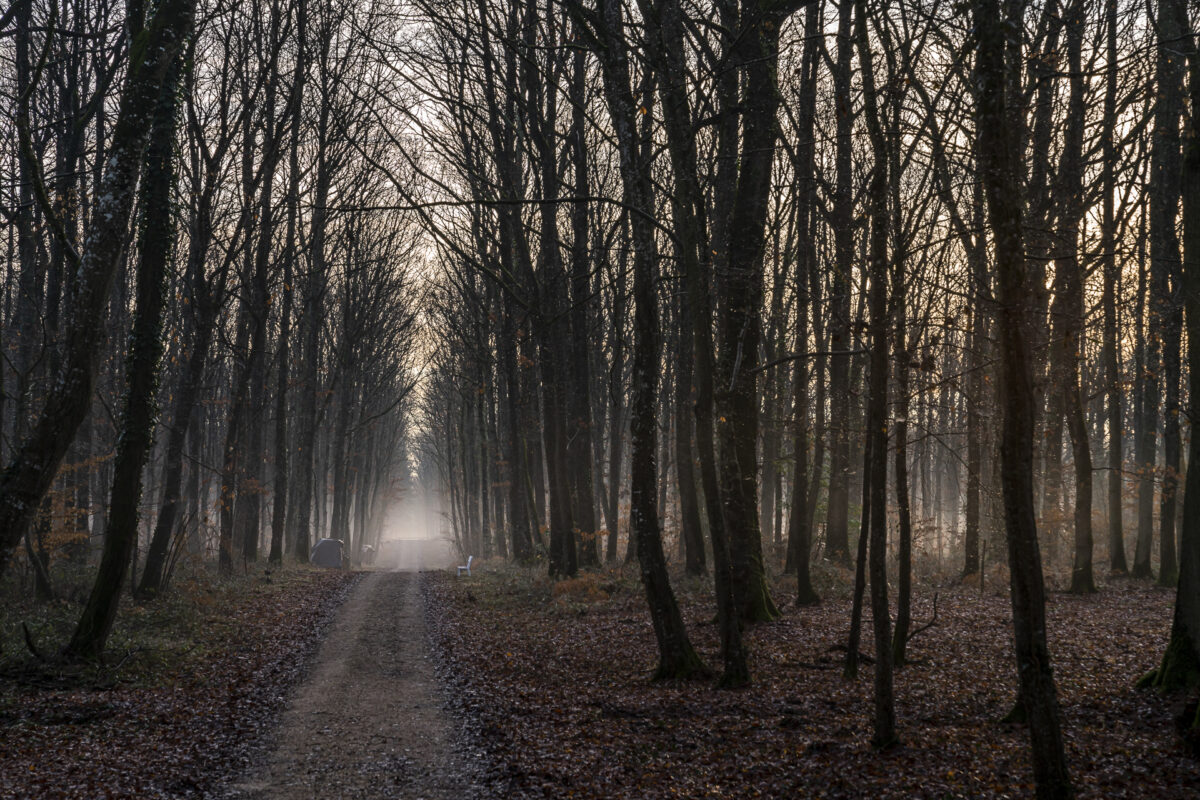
<point x="1000" y="166"/>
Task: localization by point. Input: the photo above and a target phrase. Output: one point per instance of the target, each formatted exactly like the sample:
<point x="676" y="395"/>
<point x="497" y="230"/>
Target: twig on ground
<point x="841" y="648"/>
<point x="927" y="625"/>
<point x="29" y="643"/>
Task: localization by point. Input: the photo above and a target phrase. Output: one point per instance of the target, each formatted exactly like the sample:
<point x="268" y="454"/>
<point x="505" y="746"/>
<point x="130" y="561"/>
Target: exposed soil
<point x="370" y="721"/>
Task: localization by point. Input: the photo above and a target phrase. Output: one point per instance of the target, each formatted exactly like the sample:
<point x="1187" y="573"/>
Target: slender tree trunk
<point x="231" y="463"/>
<point x="140" y="411"/>
<point x="1068" y="307"/>
<point x="756" y="52"/>
<point x="308" y="490"/>
<point x="903" y="498"/>
<point x="677" y="659"/>
<point x="1001" y="170"/>
<point x="186" y="397"/>
<point x="563" y="552"/>
<point x="1039" y="246"/>
<point x="616" y="417"/>
<point x="252" y="470"/>
<point x="800" y="522"/>
<point x="877" y="429"/>
<point x="1172" y="328"/>
<point x="279" y="506"/>
<point x="518" y="505"/>
<point x="1164" y="264"/>
<point x="695" y="254"/>
<point x="31" y="470"/>
<point x="339" y="518"/>
<point x="541" y="111"/>
<point x="580" y="431"/>
<point x="37" y="305"/>
<point x="283" y="465"/>
<point x="1108" y="248"/>
<point x="689" y="502"/>
<point x="850" y="668"/>
<point x="837" y="546"/>
<point x="1180" y="668"/>
<point x="974" y="400"/>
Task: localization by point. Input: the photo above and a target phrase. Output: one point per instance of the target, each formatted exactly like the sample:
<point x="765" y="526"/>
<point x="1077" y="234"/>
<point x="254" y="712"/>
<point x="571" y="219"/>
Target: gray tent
<point x="327" y="553"/>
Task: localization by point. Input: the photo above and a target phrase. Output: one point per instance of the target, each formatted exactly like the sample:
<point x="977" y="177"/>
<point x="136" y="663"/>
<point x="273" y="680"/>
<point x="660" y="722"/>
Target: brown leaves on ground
<point x="180" y="730"/>
<point x="561" y="693"/>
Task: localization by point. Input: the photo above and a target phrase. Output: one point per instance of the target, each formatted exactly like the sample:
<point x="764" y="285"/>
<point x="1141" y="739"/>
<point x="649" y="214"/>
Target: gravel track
<point x="370" y="721"/>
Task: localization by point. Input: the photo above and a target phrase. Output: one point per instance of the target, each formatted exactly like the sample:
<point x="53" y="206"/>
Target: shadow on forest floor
<point x="556" y="675"/>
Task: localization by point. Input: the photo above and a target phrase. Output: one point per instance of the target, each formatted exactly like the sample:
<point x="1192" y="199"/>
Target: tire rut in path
<point x="369" y="721"/>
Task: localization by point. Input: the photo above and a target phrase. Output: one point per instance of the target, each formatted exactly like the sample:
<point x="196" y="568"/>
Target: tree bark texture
<point x="1000" y="169"/>
<point x="144" y="353"/>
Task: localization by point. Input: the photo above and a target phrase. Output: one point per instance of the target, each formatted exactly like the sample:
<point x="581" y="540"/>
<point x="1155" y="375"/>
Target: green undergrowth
<point x="153" y="643"/>
<point x="502" y="584"/>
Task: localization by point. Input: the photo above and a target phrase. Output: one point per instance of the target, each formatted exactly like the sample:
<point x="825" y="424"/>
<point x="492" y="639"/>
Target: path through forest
<point x="369" y="722"/>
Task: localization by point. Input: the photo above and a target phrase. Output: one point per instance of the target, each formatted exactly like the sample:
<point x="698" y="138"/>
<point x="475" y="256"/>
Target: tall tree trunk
<point x="1068" y="307"/>
<point x="580" y="431"/>
<point x="850" y="668"/>
<point x="140" y="410"/>
<point x="1108" y="250"/>
<point x="1180" y="668"/>
<point x="186" y="398"/>
<point x="231" y="458"/>
<point x="800" y="522"/>
<point x="685" y="472"/>
<point x="519" y="529"/>
<point x="279" y="505"/>
<point x="1039" y="246"/>
<point x="283" y="461"/>
<point x="308" y="490"/>
<point x="339" y="518"/>
<point x="563" y="560"/>
<point x="1001" y="170"/>
<point x="541" y="111"/>
<point x="974" y="400"/>
<point x="616" y="418"/>
<point x="1164" y="263"/>
<point x="1172" y="328"/>
<point x="837" y="546"/>
<point x="37" y="305"/>
<point x="755" y="50"/>
<point x="695" y="254"/>
<point x="902" y="358"/>
<point x="877" y="428"/>
<point x="677" y="658"/>
<point x="253" y="463"/>
<point x="67" y="189"/>
<point x="31" y="470"/>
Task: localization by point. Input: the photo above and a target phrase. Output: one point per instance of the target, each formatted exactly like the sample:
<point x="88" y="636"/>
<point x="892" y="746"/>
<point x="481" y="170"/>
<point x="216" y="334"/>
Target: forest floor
<point x="187" y="698"/>
<point x="555" y="676"/>
<point x="307" y="684"/>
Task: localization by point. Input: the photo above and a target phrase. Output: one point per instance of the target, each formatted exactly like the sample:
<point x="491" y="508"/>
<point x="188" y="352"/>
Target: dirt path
<point x="369" y="722"/>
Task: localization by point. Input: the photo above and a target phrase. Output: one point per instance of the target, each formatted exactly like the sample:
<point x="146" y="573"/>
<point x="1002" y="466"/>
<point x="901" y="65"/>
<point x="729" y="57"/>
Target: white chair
<point x="467" y="567"/>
